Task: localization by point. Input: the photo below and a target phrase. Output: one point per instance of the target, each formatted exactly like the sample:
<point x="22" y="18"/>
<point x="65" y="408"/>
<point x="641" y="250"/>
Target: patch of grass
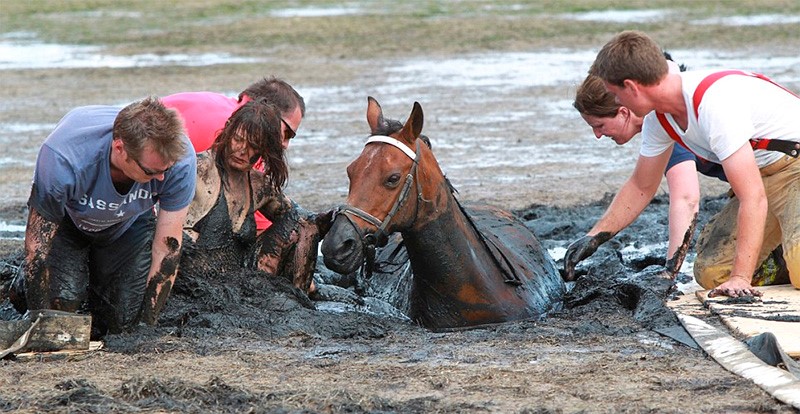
<point x="383" y="28"/>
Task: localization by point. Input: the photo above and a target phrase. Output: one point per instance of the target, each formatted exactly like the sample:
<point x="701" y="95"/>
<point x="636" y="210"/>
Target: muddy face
<point x="342" y="248"/>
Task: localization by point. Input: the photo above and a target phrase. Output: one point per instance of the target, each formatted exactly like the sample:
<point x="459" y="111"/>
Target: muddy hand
<point x="735" y="287"/>
<point x="579" y="250"/>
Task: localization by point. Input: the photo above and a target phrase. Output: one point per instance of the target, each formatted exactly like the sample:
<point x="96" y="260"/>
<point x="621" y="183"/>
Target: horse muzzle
<point x="343" y="247"/>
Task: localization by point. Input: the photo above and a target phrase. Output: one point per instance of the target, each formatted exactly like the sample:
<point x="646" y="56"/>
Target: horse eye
<point x="393" y="180"/>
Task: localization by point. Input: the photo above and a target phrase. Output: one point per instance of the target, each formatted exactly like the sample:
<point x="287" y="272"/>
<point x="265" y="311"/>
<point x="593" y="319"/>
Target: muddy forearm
<point x="160" y="281"/>
<point x="39" y="236"/>
<point x="674" y="263"/>
<point x="276" y="206"/>
<point x="164" y="268"/>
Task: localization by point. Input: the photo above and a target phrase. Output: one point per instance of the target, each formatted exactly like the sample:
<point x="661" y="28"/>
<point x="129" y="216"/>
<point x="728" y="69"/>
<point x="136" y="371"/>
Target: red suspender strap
<point x="788" y="147"/>
<point x="670" y="131"/>
<point x="672" y="134"/>
<point x="759" y="143"/>
<point x="706" y="83"/>
<point x="710" y="79"/>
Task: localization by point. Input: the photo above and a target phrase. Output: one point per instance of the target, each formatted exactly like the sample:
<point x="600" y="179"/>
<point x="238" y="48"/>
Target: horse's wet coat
<point x="470" y="269"/>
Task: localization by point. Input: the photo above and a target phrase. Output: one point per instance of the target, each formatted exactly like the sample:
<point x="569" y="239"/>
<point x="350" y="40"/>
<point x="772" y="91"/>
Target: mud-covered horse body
<point x="466" y="278"/>
<point x="469" y="269"/>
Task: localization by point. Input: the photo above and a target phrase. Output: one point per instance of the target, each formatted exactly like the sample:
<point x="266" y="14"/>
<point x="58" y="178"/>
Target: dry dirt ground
<point x="261" y="348"/>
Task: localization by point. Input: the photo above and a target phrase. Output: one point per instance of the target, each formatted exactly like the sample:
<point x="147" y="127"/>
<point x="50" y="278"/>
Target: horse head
<point x="471" y="265"/>
<point x="387" y="189"/>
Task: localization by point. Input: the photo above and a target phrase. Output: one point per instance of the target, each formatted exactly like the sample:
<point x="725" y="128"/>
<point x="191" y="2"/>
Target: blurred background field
<point x="495" y="78"/>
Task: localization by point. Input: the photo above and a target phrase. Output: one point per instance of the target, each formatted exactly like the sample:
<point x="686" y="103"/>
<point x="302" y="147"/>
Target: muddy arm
<point x="207" y="189"/>
<point x="271" y="202"/>
<point x="674" y="263"/>
<point x="629" y="202"/>
<point x="38" y="241"/>
<point x="580" y="249"/>
<point x="165" y="257"/>
<point x="274" y="206"/>
<point x="289" y="246"/>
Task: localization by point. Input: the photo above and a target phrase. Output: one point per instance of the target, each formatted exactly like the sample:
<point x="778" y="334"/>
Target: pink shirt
<point x="204" y="115"/>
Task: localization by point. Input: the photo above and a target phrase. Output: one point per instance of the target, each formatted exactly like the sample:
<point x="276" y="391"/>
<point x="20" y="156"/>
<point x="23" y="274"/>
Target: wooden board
<point x="46" y="331"/>
<point x="778" y="312"/>
<point x="687" y="304"/>
<point x="69" y="355"/>
<point x="57" y="330"/>
<point x="734" y="356"/>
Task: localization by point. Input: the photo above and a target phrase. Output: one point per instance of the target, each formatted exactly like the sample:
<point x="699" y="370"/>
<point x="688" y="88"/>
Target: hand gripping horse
<point x="469" y="269"/>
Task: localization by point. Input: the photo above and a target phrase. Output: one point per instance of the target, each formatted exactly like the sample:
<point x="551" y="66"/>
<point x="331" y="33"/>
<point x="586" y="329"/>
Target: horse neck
<point x="440" y="244"/>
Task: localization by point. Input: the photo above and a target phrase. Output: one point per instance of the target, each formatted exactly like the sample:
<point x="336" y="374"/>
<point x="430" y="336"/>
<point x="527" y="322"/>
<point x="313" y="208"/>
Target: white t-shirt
<point x="733" y="110"/>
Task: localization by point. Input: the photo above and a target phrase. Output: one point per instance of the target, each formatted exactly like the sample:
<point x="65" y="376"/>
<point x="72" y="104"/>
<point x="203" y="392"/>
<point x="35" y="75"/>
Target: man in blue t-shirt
<point x="93" y="234"/>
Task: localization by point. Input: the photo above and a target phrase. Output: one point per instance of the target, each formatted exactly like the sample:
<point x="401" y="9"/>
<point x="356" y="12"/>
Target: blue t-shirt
<point x="73" y="176"/>
<point x="707" y="168"/>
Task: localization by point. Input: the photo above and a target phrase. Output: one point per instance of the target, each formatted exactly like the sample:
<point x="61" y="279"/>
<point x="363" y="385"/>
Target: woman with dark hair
<point x="205" y="114"/>
<point x="220" y="230"/>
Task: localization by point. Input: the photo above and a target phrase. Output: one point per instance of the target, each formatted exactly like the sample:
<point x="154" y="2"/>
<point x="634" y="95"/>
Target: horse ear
<point x="375" y="116"/>
<point x="413" y="127"/>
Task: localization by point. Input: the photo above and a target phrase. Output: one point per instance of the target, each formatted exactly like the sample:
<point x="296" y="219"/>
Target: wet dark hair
<point x="277" y="92"/>
<point x="259" y="123"/>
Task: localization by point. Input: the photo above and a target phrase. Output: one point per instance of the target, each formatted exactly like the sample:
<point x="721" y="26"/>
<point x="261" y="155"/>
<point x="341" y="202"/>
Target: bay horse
<point x="469" y="269"/>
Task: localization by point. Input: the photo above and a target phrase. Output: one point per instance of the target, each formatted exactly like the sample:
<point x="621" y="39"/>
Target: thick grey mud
<point x="209" y="311"/>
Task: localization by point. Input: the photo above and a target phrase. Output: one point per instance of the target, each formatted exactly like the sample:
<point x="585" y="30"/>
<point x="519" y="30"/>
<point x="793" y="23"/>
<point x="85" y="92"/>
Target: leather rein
<point x="379" y="237"/>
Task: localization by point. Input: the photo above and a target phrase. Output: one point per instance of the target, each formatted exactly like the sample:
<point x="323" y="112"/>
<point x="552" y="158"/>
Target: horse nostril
<point x="348" y="246"/>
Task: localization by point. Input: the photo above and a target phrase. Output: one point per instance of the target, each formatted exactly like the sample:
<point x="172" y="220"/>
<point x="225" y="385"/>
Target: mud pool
<point x="617" y="280"/>
<point x="503" y="131"/>
<point x="617" y="297"/>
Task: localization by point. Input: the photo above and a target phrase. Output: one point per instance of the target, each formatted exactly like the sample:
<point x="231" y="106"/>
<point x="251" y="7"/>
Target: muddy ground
<point x="242" y="343"/>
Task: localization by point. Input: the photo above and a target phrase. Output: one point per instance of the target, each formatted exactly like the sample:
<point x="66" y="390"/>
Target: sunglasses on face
<point x="148" y="172"/>
<point x="288" y="132"/>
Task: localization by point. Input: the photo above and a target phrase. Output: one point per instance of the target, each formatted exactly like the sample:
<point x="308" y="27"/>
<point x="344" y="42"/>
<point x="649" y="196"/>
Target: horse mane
<point x="390" y="126"/>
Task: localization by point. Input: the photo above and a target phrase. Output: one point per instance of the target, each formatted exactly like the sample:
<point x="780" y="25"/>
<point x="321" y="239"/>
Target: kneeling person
<point x="93" y="235"/>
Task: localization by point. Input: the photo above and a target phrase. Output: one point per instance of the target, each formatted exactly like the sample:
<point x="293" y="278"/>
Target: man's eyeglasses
<point x="288" y="132"/>
<point x="149" y="172"/>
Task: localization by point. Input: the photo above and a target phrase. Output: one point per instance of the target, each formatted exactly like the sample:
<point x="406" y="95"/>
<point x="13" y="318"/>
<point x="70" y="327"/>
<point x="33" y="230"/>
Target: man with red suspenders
<point x="738" y="119"/>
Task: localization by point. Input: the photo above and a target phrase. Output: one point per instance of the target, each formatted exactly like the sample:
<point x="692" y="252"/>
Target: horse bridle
<point x="379" y="237"/>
